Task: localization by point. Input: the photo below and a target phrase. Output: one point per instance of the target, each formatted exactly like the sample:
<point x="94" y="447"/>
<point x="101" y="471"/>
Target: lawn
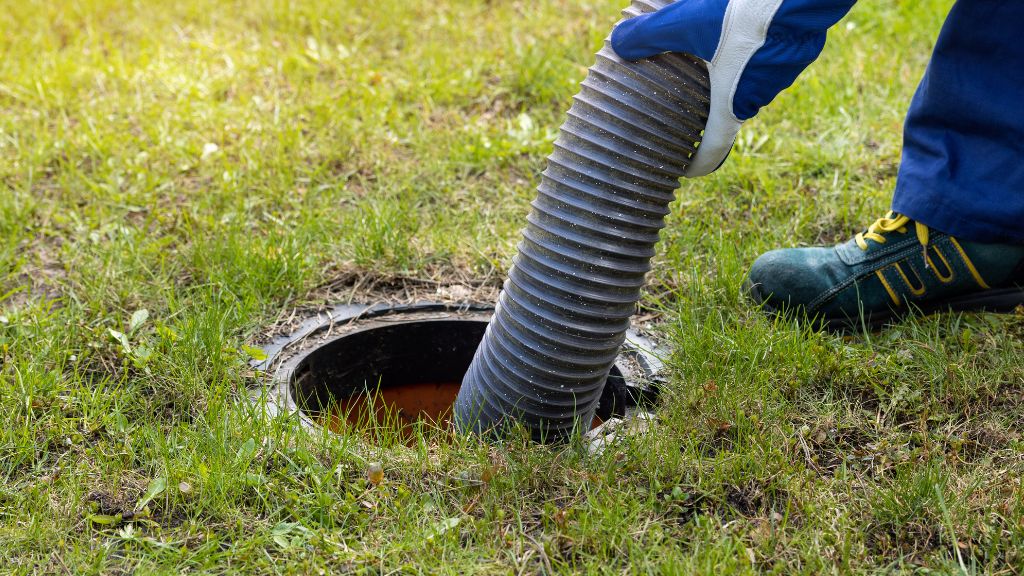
<point x="175" y="177"/>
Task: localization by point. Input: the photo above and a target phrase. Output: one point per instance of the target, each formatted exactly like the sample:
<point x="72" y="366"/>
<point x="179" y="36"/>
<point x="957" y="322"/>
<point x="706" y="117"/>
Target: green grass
<point x="219" y="164"/>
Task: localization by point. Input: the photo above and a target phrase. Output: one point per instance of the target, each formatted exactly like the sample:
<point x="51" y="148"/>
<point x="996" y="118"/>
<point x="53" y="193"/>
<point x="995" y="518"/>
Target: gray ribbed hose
<point x="587" y="246"/>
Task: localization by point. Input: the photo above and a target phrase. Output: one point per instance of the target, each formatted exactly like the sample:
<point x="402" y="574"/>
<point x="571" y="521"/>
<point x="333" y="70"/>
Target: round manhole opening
<point x="395" y="370"/>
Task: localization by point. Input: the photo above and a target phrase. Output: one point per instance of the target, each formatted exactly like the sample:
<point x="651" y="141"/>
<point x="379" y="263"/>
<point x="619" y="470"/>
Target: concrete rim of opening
<point x="638" y="362"/>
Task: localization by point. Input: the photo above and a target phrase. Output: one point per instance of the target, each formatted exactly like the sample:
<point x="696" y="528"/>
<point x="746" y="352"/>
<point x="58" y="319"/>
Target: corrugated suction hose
<point x="589" y="239"/>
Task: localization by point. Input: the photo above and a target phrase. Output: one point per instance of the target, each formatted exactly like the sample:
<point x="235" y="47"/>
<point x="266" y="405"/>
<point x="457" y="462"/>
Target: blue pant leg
<point x="962" y="170"/>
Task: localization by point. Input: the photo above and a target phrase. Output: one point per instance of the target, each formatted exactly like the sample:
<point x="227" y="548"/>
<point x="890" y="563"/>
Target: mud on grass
<point x="354" y="286"/>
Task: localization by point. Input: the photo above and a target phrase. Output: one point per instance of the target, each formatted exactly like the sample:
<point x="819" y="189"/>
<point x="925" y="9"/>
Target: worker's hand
<point x="754" y="50"/>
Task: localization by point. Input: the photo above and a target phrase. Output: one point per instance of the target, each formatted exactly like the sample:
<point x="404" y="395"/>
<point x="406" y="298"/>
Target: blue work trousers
<point x="962" y="170"/>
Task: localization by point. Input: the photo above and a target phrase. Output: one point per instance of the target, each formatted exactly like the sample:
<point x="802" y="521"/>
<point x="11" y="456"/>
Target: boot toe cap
<point x="788" y="278"/>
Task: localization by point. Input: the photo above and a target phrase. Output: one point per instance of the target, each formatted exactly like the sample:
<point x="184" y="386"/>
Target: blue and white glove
<point x="754" y="49"/>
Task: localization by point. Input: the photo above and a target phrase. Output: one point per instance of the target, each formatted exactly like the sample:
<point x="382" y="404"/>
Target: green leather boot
<point x="896" y="267"/>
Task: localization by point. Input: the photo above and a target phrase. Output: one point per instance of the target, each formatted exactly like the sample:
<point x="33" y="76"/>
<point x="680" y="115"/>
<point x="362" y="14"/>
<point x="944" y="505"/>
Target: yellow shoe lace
<point x="891" y="222"/>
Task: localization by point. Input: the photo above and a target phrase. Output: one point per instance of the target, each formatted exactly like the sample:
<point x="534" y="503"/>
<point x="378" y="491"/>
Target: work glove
<point x="754" y="49"/>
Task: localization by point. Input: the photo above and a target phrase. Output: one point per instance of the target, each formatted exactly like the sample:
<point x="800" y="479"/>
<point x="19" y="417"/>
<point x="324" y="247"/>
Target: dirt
<point x="351" y="286"/>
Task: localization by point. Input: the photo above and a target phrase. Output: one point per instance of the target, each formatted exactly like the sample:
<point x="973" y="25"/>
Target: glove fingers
<point x="691" y="26"/>
<point x="632" y="41"/>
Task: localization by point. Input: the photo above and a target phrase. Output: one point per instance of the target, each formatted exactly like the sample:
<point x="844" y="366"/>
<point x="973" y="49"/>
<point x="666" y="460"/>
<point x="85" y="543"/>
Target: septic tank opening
<point x="417" y="353"/>
<point x="400" y="373"/>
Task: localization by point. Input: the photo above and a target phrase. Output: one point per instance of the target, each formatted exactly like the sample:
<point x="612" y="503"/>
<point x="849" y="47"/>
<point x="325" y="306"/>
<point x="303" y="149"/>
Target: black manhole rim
<point x="634" y="384"/>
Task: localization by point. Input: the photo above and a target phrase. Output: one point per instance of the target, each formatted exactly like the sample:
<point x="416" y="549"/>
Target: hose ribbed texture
<point x="587" y="246"/>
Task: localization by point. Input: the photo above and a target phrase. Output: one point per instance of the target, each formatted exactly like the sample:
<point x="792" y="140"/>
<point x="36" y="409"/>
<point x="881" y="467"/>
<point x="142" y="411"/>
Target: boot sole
<point x="1001" y="301"/>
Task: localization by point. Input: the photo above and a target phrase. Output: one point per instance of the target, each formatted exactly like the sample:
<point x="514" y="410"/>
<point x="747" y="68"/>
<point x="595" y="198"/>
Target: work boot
<point x="895" y="267"/>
